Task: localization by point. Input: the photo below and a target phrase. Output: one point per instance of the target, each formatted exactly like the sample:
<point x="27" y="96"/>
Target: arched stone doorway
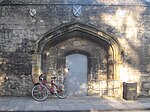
<point x="102" y="49"/>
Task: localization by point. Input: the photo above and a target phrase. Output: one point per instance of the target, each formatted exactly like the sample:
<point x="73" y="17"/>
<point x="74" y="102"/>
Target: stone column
<point x="36" y="67"/>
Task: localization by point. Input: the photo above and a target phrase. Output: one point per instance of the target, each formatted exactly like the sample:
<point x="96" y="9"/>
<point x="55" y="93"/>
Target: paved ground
<point x="82" y="104"/>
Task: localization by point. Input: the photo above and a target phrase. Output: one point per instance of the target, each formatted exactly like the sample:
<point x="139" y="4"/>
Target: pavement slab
<point x="82" y="104"/>
<point x="68" y="107"/>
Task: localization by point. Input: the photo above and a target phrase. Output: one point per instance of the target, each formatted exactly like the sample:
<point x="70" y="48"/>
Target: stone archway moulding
<point x="76" y="28"/>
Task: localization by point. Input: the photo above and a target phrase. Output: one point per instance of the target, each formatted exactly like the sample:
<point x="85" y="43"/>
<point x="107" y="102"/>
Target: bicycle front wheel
<point x="62" y="90"/>
<point x="40" y="92"/>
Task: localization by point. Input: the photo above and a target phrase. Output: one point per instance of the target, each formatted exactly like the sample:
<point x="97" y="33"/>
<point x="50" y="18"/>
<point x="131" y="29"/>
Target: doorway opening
<point x="76" y="78"/>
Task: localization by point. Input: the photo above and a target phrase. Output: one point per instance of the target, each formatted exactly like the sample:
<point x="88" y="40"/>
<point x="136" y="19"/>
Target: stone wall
<point x="21" y="28"/>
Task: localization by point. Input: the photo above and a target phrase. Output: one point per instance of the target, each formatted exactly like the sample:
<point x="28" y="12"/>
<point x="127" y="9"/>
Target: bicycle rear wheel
<point x="40" y="92"/>
<point x="62" y="90"/>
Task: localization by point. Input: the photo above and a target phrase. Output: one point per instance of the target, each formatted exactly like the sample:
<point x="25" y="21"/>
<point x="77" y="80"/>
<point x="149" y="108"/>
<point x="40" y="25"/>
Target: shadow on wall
<point x="135" y="67"/>
<point x="130" y="29"/>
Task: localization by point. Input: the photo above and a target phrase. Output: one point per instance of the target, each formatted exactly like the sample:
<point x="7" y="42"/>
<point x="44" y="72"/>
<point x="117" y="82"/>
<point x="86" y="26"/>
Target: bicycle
<point x="43" y="89"/>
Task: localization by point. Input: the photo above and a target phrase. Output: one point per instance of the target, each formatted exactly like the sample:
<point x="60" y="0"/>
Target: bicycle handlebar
<point x="41" y="77"/>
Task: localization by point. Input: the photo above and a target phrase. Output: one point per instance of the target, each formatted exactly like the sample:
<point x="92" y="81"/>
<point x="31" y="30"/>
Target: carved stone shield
<point x="77" y="9"/>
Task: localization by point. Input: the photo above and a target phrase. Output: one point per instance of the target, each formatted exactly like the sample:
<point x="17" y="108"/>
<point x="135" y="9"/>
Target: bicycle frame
<point x="53" y="86"/>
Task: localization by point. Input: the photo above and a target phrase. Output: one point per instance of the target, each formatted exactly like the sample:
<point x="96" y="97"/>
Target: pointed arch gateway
<point x="80" y="38"/>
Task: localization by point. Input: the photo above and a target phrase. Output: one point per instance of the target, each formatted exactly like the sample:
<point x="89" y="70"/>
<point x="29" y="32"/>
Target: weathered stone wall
<point x="19" y="30"/>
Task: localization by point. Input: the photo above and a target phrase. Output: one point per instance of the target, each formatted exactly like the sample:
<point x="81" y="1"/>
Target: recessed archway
<point x="80" y="34"/>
